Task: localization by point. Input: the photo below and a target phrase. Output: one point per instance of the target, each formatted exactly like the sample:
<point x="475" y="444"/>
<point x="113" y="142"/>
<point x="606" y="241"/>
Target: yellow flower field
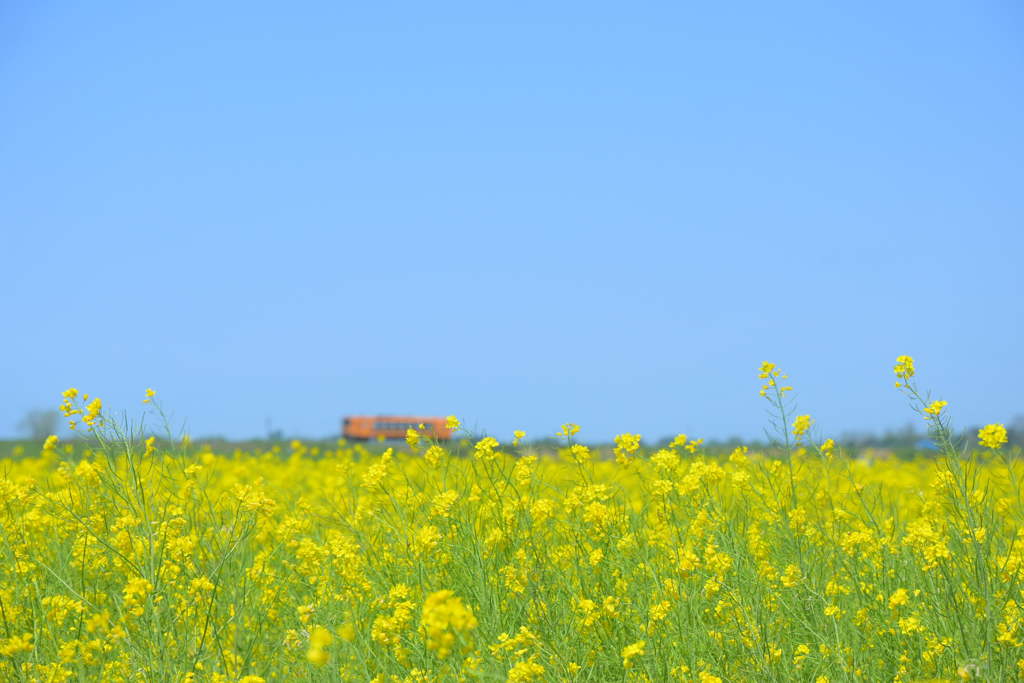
<point x="125" y="559"/>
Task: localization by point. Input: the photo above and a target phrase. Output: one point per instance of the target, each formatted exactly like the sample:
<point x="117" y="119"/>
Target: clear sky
<point x="521" y="213"/>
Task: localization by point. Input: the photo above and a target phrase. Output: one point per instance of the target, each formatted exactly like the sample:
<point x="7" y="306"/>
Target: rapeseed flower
<point x="92" y="412"/>
<point x="934" y="409"/>
<point x="626" y="445"/>
<point x="14" y="645"/>
<point x="569" y="430"/>
<point x="904" y="368"/>
<point x="484" y="448"/>
<point x="992" y="436"/>
<point x="319" y="639"/>
<point x="800" y="425"/>
<point x="444" y="620"/>
<point x="899" y="598"/>
<point x="632" y="651"/>
<point x="525" y="671"/>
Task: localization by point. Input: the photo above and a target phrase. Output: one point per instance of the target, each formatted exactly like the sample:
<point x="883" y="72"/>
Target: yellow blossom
<point x="992" y="436"/>
<point x="525" y="671"/>
<point x="484" y="448"/>
<point x="631" y="651"/>
<point x="904" y="368"/>
<point x="933" y="409"/>
<point x="444" y="621"/>
<point x="626" y="445"/>
<point x="569" y="430"/>
<point x="791" y="576"/>
<point x="92" y="412"/>
<point x="899" y="598"/>
<point x="800" y="425"/>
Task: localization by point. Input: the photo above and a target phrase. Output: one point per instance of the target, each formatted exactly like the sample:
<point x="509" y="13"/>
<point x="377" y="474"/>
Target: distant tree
<point x="1016" y="427"/>
<point x="39" y="424"/>
<point x="1017" y="423"/>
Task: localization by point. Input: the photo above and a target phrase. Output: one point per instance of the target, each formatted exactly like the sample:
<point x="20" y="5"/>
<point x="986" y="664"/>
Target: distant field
<point x="489" y="561"/>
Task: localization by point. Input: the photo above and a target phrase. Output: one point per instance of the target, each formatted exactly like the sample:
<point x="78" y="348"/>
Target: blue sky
<point x="523" y="214"/>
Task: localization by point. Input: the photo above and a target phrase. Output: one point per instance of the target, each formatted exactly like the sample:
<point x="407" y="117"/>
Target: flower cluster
<point x="992" y="436"/>
<point x="445" y="619"/>
<point x="904" y="369"/>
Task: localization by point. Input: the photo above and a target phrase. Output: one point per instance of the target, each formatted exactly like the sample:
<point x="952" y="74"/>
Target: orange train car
<point x="364" y="427"/>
